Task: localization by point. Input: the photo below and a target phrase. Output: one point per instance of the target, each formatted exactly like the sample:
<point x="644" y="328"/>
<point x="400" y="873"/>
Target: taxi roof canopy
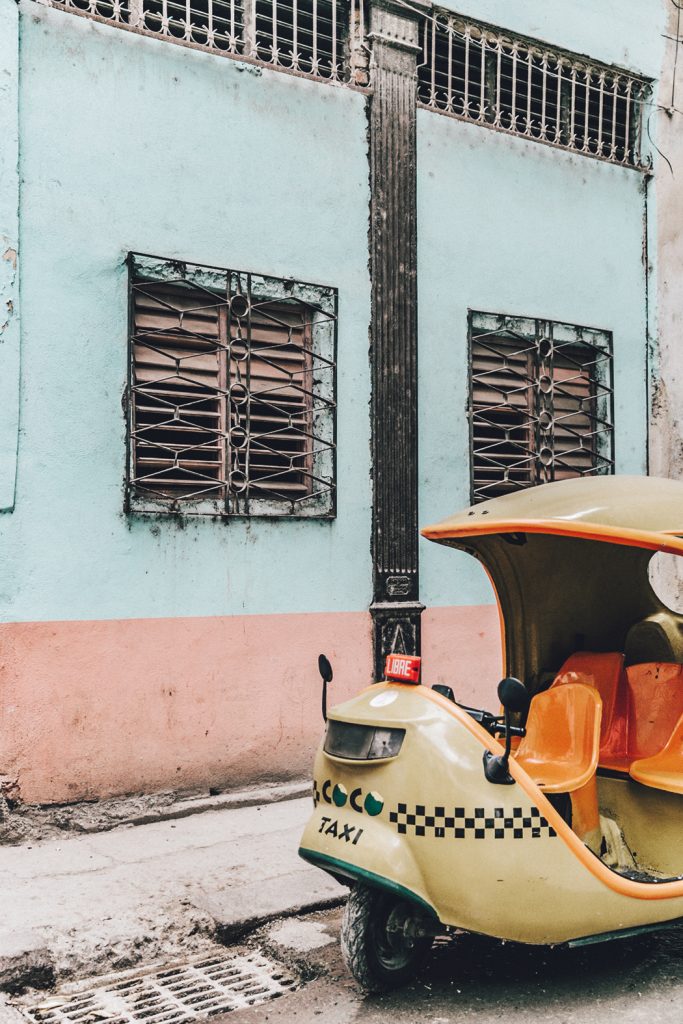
<point x="569" y="563"/>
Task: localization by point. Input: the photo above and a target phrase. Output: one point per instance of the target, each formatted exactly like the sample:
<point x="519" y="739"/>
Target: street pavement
<point x="147" y="893"/>
<point x="480" y="981"/>
<point x="156" y="893"/>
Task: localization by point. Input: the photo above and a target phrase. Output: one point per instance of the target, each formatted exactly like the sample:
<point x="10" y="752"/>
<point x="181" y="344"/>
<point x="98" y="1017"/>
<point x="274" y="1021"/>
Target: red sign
<point x="405" y="668"/>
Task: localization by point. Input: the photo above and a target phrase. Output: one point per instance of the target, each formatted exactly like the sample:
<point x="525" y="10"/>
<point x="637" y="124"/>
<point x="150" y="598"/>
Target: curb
<point x="229" y="934"/>
<point x="33" y="823"/>
<point x="222" y="802"/>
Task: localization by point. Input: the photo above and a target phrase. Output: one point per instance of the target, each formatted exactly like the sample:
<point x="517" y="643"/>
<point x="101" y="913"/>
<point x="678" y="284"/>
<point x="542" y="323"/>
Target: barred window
<point x="540" y="405"/>
<point x="323" y="39"/>
<point x="232" y="392"/>
<point x="481" y="74"/>
<point x="304" y="35"/>
<point x="216" y="24"/>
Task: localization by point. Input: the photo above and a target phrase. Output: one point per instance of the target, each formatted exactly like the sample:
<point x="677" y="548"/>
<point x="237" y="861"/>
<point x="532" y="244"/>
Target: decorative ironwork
<point x="232" y="392"/>
<point x="323" y="39"/>
<point x="540" y="402"/>
<point x="396" y="608"/>
<point x="484" y="75"/>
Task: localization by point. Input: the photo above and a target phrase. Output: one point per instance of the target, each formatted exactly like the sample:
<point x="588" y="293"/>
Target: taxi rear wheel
<point x="380" y="939"/>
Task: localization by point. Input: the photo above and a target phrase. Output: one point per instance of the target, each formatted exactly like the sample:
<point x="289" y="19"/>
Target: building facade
<point x="279" y="284"/>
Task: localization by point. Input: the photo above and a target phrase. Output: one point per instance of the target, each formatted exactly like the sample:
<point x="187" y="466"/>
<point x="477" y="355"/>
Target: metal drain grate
<point x="172" y="995"/>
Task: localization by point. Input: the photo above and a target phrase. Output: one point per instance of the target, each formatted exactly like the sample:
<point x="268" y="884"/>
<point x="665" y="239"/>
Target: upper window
<point x="232" y="392"/>
<point x="485" y="75"/>
<point x="540" y="402"/>
<point x="320" y="38"/>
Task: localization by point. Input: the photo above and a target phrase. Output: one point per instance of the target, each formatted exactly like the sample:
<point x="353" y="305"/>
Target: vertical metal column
<point x="396" y="607"/>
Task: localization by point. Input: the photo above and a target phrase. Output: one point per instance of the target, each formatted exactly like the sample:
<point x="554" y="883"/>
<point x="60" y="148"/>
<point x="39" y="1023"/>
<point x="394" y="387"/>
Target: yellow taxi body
<point x="569" y="565"/>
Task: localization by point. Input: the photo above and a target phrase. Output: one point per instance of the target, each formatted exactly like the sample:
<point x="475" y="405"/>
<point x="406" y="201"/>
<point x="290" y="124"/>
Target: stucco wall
<point x="136" y="144"/>
<point x="666" y="232"/>
<point x="623" y="32"/>
<point x="666" y="452"/>
<point x="507" y="225"/>
<point x="9" y="245"/>
<point x="510" y="226"/>
<point x="137" y="653"/>
<point x="151" y="147"/>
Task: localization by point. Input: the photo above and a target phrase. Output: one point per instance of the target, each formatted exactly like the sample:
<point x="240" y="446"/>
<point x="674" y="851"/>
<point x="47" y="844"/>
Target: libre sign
<point x="405" y="668"/>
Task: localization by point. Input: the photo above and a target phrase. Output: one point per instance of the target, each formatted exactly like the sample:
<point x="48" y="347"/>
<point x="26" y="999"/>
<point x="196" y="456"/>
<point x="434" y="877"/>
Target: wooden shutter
<point x="178" y="411"/>
<point x="502" y="385"/>
<point x="573" y="407"/>
<point x="278" y="459"/>
<point x="536" y="419"/>
<point x="220" y="403"/>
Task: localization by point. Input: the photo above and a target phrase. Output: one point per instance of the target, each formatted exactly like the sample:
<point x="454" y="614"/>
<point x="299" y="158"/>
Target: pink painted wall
<point x="92" y="709"/>
<point x="98" y="708"/>
<point x="461" y="647"/>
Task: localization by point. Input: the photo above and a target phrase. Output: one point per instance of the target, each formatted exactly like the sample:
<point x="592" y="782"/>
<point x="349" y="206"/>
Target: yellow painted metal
<point x="606" y="506"/>
<point x="540" y="886"/>
<point x="569" y="564"/>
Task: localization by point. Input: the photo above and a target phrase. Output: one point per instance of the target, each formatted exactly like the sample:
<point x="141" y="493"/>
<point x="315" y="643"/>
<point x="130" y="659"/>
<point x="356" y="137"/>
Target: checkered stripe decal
<point x="479" y="823"/>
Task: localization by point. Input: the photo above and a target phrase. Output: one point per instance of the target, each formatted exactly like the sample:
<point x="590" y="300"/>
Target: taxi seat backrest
<point x="561" y="746"/>
<point x="655" y="697"/>
<point x="663" y="770"/>
<point x="640" y="704"/>
<point x="603" y="672"/>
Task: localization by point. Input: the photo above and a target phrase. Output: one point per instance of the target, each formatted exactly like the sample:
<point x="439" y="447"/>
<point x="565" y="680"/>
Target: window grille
<point x="515" y="85"/>
<point x="302" y="37"/>
<point x="323" y="39"/>
<point x="540" y="402"/>
<point x="232" y="392"/>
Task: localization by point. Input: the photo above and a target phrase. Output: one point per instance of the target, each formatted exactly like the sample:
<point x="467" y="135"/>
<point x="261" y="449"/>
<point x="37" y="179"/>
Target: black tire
<point x="375" y="948"/>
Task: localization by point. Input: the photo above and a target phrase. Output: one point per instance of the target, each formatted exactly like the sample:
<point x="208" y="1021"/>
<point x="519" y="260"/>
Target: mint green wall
<point x="624" y="32"/>
<point x="130" y="143"/>
<point x="9" y="242"/>
<point x="507" y="225"/>
<point x="511" y="226"/>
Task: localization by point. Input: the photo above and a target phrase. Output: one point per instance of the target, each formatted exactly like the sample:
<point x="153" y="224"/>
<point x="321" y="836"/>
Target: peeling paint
<point x="666" y="434"/>
<point x="9" y="270"/>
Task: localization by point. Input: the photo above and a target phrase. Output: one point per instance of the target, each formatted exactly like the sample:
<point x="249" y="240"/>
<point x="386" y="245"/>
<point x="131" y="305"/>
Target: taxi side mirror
<point x="513" y="694"/>
<point x="514" y="697"/>
<point x="325" y="670"/>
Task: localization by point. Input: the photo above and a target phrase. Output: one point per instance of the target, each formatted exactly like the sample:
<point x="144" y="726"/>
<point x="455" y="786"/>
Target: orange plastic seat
<point x="561" y="749"/>
<point x="605" y="673"/>
<point x="665" y="769"/>
<point x="640" y="704"/>
<point x="562" y="744"/>
<point x="656" y="704"/>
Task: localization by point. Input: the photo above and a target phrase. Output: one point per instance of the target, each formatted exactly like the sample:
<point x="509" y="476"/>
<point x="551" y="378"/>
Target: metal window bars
<point x="540" y="404"/>
<point x="232" y="392"/>
<point x="323" y="39"/>
<point x="480" y="74"/>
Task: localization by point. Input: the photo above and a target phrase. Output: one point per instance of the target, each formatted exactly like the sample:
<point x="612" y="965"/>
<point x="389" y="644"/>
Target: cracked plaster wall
<point x="9" y="244"/>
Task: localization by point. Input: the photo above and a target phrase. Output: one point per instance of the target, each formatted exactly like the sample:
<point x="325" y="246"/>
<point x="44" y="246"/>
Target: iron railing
<point x="487" y="76"/>
<point x="323" y="39"/>
<point x="232" y="392"/>
<point x="540" y="404"/>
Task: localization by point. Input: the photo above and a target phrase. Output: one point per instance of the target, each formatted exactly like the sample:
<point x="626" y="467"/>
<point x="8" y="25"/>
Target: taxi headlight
<point x="362" y="742"/>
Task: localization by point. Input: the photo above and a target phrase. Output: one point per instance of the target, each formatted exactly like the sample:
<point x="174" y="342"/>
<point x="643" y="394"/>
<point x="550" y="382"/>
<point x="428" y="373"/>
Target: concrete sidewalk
<point x="152" y="892"/>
